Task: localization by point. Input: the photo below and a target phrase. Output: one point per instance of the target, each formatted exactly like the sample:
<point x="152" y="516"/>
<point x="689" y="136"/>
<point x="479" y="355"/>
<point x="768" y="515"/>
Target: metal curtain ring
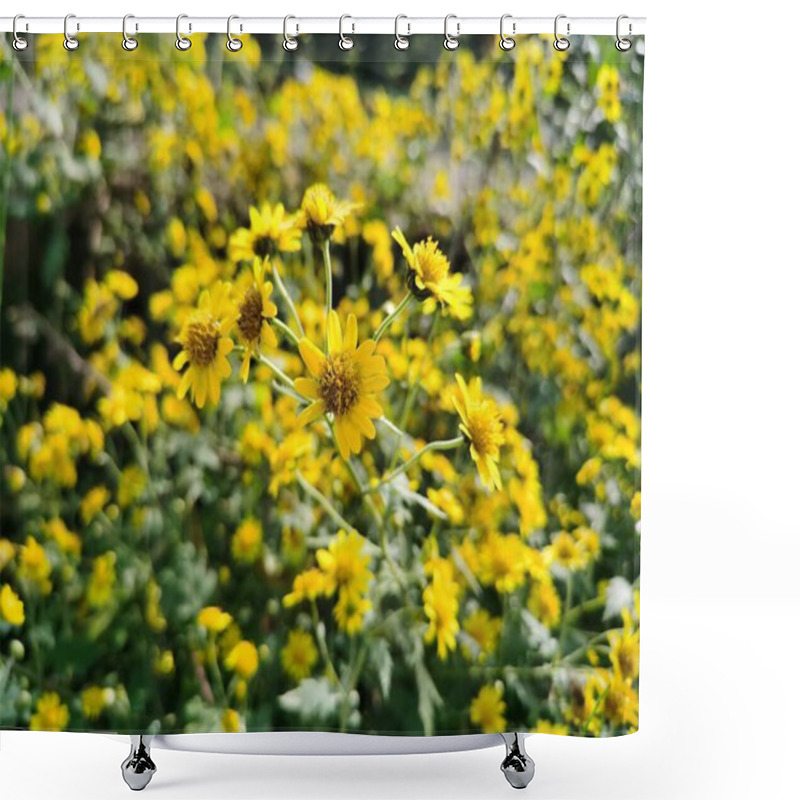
<point x="401" y="42"/>
<point x="560" y="43"/>
<point x="182" y="42"/>
<point x="19" y="43"/>
<point x="506" y="42"/>
<point x="345" y="42"/>
<point x="70" y="42"/>
<point x="451" y="42"/>
<point x="623" y="44"/>
<point x="233" y="44"/>
<point x="128" y="42"/>
<point x="289" y="42"/>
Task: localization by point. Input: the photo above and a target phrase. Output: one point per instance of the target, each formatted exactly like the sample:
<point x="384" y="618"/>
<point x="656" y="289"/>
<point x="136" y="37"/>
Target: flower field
<point x="320" y="388"/>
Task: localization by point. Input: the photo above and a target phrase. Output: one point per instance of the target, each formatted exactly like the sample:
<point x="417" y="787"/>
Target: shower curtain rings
<point x="182" y="42"/>
<point x="128" y="42"/>
<point x="623" y="44"/>
<point x="506" y="42"/>
<point x="289" y="42"/>
<point x="70" y="42"/>
<point x="345" y="42"/>
<point x="451" y="42"/>
<point x="233" y="44"/>
<point x="401" y="42"/>
<point x="19" y="44"/>
<point x="560" y="43"/>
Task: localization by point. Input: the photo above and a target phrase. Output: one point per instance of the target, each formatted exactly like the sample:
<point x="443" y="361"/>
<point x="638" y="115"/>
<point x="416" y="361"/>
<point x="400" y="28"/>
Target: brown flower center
<point x="339" y="384"/>
<point x="263" y="246"/>
<point x="201" y="340"/>
<point x="251" y="315"/>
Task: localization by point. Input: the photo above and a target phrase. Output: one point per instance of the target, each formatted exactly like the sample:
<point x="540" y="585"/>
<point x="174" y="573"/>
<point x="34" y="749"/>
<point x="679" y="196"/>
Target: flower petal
<point x="334" y="333"/>
<point x="307" y="387"/>
<point x="311" y="413"/>
<point x="312" y="356"/>
<point x="351" y="333"/>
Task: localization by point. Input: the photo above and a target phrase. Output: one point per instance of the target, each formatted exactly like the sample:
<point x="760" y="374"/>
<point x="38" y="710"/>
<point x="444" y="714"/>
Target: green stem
<point x="284" y="293"/>
<point x="445" y="444"/>
<point x="323" y="645"/>
<point x="326" y="257"/>
<point x="276" y="370"/>
<point x="390" y="318"/>
<point x="285" y="330"/>
<point x="565" y="613"/>
<point x="325" y="503"/>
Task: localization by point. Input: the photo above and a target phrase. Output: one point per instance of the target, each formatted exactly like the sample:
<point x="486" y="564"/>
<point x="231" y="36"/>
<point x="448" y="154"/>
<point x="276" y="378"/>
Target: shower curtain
<point x="320" y="389"/>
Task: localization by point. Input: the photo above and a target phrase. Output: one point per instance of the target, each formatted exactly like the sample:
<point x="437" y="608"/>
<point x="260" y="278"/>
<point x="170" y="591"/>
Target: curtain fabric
<point x="320" y="386"/>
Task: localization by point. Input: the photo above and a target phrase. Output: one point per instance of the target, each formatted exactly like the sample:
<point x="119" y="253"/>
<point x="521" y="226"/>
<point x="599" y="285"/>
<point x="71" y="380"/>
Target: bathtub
<point x="139" y="767"/>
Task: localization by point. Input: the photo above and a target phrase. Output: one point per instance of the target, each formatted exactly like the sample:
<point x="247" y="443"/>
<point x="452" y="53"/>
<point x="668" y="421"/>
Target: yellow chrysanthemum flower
<point x="93" y="701"/>
<point x="51" y="714"/>
<point x="308" y="585"/>
<point x="482" y="424"/>
<point x="12" y="609"/>
<point x="344" y="383"/>
<point x="321" y="212"/>
<point x="344" y="563"/>
<point x="230" y="721"/>
<point x="246" y="542"/>
<point x="272" y="230"/>
<point x="429" y="276"/>
<point x="485" y="630"/>
<point x="93" y="503"/>
<point x="243" y="659"/>
<point x="102" y="580"/>
<point x="487" y="710"/>
<point x="214" y="619"/>
<point x="255" y="309"/>
<point x="545" y="726"/>
<point x="206" y="346"/>
<point x="299" y="655"/>
<point x="350" y="609"/>
<point x="440" y="602"/>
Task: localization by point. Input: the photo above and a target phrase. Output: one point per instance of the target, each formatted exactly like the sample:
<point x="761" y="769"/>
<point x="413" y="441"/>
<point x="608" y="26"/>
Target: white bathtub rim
<point x="318" y="743"/>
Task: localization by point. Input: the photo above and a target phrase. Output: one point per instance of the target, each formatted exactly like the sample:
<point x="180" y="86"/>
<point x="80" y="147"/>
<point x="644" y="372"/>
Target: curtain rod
<point x="631" y="26"/>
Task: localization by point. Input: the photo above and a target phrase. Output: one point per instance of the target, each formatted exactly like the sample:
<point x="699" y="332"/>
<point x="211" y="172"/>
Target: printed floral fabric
<point x="320" y="388"/>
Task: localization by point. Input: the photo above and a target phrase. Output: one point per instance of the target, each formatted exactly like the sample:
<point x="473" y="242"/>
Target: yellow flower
<point x="93" y="502"/>
<point x="206" y="346"/>
<point x="564" y="550"/>
<point x="230" y="721"/>
<point x="625" y="650"/>
<point x="344" y="564"/>
<point x="214" y="619"/>
<point x="636" y="506"/>
<point x="621" y="703"/>
<point x="299" y="655"/>
<point x="243" y="659"/>
<point x="93" y="701"/>
<point x="484" y="630"/>
<point x="67" y="541"/>
<point x="255" y="309"/>
<point x="544" y="602"/>
<point x="34" y="566"/>
<point x="350" y="609"/>
<point x="440" y="601"/>
<point x="164" y="662"/>
<point x="344" y="383"/>
<point x="487" y="710"/>
<point x="121" y="284"/>
<point x="545" y="726"/>
<point x="12" y="609"/>
<point x="8" y="386"/>
<point x="482" y="425"/>
<point x="50" y="714"/>
<point x="102" y="580"/>
<point x="246" y="543"/>
<point x="307" y="585"/>
<point x="504" y="561"/>
<point x="271" y="230"/>
<point x="429" y="276"/>
<point x="321" y="212"/>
